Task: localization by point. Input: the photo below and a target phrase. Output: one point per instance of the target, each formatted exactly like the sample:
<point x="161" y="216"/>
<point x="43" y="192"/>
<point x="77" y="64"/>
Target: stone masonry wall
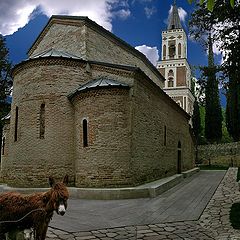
<point x="4" y="156"/>
<point x="31" y="159"/>
<point x="106" y="159"/>
<point x="68" y="38"/>
<point x="153" y="112"/>
<point x="227" y="154"/>
<point x="101" y="48"/>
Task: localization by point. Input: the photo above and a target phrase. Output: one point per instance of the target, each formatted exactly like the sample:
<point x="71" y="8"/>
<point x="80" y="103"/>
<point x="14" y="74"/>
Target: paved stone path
<point x="184" y="202"/>
<point x="213" y="223"/>
<point x="216" y="215"/>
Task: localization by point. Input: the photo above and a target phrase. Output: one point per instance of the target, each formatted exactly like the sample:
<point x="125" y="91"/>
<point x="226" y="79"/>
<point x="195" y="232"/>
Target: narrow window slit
<point x="42" y="121"/>
<point x="85" y="133"/>
<point x="16" y="125"/>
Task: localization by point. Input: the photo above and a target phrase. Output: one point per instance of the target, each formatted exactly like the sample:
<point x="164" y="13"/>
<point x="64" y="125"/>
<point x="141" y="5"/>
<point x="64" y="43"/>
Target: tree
<point x="211" y="3"/>
<point x="201" y="29"/>
<point x="227" y="33"/>
<point x="196" y="120"/>
<point x="213" y="117"/>
<point x="5" y="83"/>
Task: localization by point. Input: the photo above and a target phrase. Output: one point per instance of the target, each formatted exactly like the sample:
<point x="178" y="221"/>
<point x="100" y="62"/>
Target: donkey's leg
<point x="41" y="231"/>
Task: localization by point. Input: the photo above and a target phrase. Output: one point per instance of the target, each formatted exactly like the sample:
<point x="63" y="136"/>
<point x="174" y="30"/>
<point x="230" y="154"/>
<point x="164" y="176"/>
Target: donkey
<point x="18" y="211"/>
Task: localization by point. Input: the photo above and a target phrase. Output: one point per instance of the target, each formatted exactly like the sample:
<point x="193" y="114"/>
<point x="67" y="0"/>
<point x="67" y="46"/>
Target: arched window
<point x="171" y="50"/>
<point x="170" y="78"/>
<point x="164" y="51"/>
<point x="170" y="82"/>
<point x="170" y="73"/>
<point x="16" y="125"/>
<point x="85" y="133"/>
<point x="179" y="50"/>
<point x="42" y="120"/>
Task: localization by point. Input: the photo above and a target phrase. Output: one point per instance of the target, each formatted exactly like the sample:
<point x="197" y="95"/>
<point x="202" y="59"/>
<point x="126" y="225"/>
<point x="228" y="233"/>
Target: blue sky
<point x="138" y="22"/>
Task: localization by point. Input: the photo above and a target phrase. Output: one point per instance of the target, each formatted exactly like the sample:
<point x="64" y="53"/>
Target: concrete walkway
<point x="172" y="215"/>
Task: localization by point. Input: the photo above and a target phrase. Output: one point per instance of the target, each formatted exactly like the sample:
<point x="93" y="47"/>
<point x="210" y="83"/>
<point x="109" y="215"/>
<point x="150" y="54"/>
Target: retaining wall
<point x="227" y="154"/>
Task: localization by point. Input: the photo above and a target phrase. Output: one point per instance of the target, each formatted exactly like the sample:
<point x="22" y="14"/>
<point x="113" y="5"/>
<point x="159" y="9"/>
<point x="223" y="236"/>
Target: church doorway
<point x="179" y="158"/>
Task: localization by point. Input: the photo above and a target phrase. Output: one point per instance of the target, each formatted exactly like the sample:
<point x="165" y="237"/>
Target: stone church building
<point x="88" y="104"/>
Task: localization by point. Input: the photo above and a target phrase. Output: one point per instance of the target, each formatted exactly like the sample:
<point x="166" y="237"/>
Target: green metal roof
<point x="98" y="83"/>
<point x="54" y="53"/>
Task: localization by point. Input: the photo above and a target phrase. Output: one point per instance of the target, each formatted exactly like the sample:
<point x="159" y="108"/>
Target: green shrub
<point x="235" y="215"/>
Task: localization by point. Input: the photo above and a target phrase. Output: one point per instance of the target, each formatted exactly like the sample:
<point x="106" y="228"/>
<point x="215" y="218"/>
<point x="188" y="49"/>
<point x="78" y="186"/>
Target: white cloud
<point x="150" y="11"/>
<point x="181" y="12"/>
<point x="122" y="13"/>
<point x="15" y="14"/>
<point x="150" y="52"/>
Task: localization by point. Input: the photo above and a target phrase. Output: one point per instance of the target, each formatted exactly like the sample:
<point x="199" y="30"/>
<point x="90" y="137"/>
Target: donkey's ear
<point x="51" y="181"/>
<point x="65" y="180"/>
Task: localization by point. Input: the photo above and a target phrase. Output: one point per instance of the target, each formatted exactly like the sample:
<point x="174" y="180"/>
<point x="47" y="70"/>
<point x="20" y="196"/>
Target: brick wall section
<point x="67" y="38"/>
<point x="4" y="157"/>
<point x="105" y="162"/>
<point x="227" y="154"/>
<point x="181" y="76"/>
<point x="152" y="110"/>
<point x="31" y="159"/>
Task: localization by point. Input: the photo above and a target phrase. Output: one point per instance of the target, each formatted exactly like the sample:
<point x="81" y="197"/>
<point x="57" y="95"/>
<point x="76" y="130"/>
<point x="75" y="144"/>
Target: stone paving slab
<point x="178" y="230"/>
<point x="184" y="202"/>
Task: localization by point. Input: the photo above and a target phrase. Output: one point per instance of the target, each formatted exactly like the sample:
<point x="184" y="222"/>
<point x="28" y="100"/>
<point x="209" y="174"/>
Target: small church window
<point x="170" y="73"/>
<point x="179" y="50"/>
<point x="172" y="51"/>
<point x="42" y="121"/>
<point x="170" y="78"/>
<point x="170" y="82"/>
<point x="85" y="133"/>
<point x="3" y="146"/>
<point x="16" y="125"/>
<point x="164" y="51"/>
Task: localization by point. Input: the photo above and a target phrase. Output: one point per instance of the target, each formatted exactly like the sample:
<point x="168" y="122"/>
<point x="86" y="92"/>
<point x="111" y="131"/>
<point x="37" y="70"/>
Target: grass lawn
<point x="235" y="215"/>
<point x="213" y="167"/>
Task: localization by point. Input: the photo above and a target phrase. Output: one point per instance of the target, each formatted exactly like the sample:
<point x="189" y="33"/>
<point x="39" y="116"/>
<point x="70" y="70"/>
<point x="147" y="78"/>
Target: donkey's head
<point x="59" y="195"/>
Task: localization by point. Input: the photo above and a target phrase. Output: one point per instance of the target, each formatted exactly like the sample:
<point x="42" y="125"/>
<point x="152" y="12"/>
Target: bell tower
<point x="174" y="65"/>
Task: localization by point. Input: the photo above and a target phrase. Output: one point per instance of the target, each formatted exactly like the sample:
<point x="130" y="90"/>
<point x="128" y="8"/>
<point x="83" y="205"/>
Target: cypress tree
<point x="233" y="109"/>
<point x="5" y="84"/>
<point x="213" y="117"/>
<point x="196" y="120"/>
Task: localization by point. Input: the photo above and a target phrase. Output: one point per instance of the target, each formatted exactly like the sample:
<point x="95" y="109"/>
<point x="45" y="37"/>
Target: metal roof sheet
<point x="100" y="82"/>
<point x="7" y="117"/>
<point x="54" y="53"/>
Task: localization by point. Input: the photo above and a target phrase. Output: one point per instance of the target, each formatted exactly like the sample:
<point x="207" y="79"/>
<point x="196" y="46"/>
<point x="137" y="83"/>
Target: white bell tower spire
<point x="174" y="65"/>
